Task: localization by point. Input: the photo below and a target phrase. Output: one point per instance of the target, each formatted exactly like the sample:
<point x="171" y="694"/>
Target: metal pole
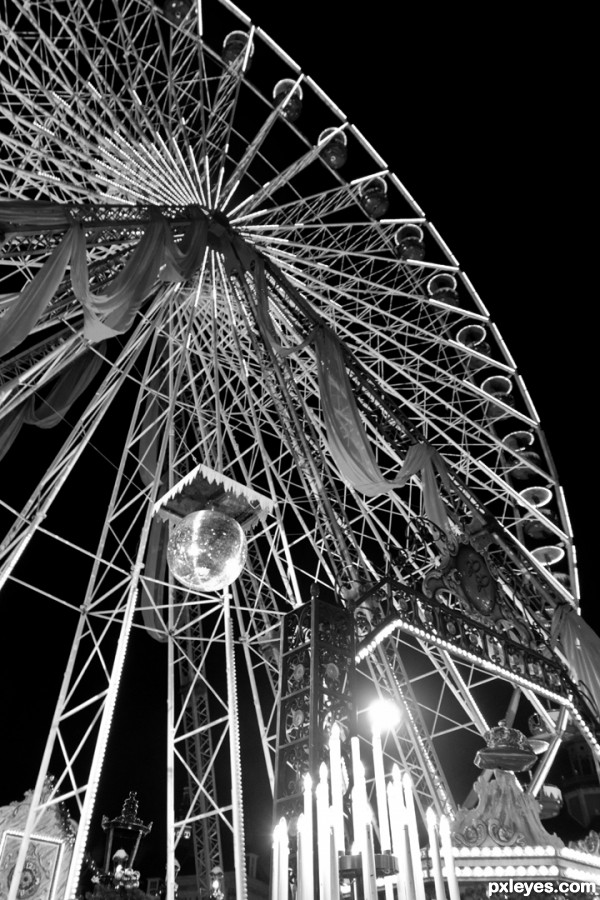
<point x="239" y="844"/>
<point x="170" y="798"/>
<point x="102" y="739"/>
<point x="545" y="764"/>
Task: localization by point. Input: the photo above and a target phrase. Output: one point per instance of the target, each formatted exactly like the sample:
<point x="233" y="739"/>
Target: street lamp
<point x="217" y="884"/>
<point x="384" y="715"/>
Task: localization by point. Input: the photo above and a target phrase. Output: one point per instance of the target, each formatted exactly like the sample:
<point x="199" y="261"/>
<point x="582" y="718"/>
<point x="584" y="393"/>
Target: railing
<point x="390" y="605"/>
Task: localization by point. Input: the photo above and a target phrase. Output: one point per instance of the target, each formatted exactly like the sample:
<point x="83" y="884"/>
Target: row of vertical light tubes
<point x="398" y="831"/>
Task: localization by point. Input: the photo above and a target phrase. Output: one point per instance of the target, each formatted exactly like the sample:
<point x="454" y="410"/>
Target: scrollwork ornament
<point x="297" y="718"/>
<point x="476" y="580"/>
<point x="505" y="836"/>
<point x="471" y="836"/>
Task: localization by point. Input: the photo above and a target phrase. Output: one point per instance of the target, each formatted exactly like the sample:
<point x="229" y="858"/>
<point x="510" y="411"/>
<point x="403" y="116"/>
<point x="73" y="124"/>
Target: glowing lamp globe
<point x="207" y="551"/>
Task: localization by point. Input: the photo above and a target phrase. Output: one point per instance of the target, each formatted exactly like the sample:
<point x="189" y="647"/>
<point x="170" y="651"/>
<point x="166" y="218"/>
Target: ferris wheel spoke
<point x="463" y="692"/>
<point x="303" y="440"/>
<point x="25" y="373"/>
<point x="244" y="211"/>
<point x="429" y="387"/>
<point x="108" y="66"/>
<point x="312" y="208"/>
<point x="251" y="151"/>
<point x="201" y="731"/>
<point x="36" y="148"/>
<point x="164" y="179"/>
<point x="182" y="63"/>
<point x="58" y="76"/>
<point x="219" y="126"/>
<point x="504" y="487"/>
<point x="146" y="72"/>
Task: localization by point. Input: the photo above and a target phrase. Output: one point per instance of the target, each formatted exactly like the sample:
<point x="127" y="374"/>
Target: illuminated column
<point x="283" y="868"/>
<point x="170" y="873"/>
<point x="334" y="859"/>
<point x="382" y="815"/>
<point x="413" y="837"/>
<point x="360" y="816"/>
<point x="239" y="845"/>
<point x="308" y="840"/>
<point x="323" y="838"/>
<point x="303" y="849"/>
<point x="449" y="858"/>
<point x="337" y="791"/>
<point x="384" y="716"/>
<point x="434" y="852"/>
<point x="399" y="826"/>
<point x="276" y="862"/>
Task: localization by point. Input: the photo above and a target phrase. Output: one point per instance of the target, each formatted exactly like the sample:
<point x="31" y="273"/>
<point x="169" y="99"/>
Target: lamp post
<point x="124" y="832"/>
<point x="217" y="883"/>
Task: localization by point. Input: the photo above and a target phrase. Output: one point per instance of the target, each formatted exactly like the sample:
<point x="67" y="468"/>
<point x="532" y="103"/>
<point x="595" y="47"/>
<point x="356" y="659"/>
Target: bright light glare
<point x="384" y="715"/>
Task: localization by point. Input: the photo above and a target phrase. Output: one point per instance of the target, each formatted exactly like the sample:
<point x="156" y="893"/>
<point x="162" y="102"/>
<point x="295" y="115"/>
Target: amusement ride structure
<point x="211" y="277"/>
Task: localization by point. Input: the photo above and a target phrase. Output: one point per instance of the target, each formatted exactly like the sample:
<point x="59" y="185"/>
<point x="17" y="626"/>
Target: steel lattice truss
<point x="113" y="109"/>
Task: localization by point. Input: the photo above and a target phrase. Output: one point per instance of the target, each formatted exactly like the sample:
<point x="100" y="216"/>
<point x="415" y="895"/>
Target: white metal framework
<point x="110" y="109"/>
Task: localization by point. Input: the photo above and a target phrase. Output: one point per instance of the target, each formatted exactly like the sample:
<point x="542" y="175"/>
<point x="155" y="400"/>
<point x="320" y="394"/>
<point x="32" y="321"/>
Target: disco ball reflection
<point x="207" y="551"/>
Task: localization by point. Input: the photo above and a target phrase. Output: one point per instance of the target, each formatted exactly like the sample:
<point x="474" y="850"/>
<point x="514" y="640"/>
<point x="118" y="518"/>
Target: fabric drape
<point x="153" y="593"/>
<point x="24" y="313"/>
<point x="114" y="308"/>
<point x="155" y="257"/>
<point x="346" y="436"/>
<point x="11" y="426"/>
<point x="47" y="410"/>
<point x="153" y="424"/>
<point x="348" y="441"/>
<point x="581" y="647"/>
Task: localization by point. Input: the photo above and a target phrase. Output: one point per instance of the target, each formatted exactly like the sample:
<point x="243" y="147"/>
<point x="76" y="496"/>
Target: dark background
<point x="486" y="117"/>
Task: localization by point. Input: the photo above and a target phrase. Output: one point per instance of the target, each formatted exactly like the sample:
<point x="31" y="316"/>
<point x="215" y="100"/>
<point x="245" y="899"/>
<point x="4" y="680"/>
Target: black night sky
<point x="484" y="116"/>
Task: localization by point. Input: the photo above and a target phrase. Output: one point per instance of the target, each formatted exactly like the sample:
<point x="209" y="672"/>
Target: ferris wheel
<point x="229" y="301"/>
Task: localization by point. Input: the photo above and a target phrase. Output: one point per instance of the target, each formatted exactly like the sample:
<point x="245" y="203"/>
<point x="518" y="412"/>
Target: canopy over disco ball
<point x="207" y="551"/>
